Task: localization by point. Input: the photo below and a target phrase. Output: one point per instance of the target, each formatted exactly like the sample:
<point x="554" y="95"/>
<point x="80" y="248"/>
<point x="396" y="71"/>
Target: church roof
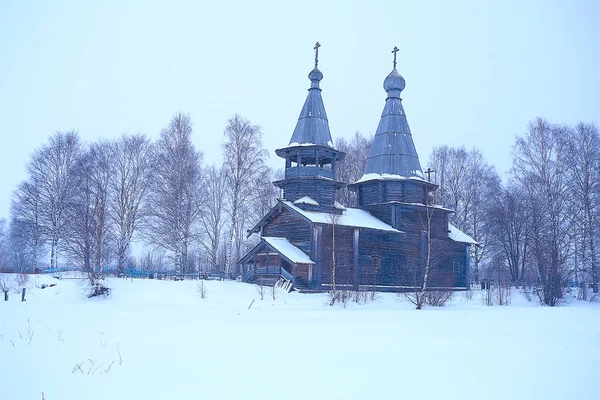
<point x="459" y="236"/>
<point x="306" y="200"/>
<point x="353" y="217"/>
<point x="312" y="126"/>
<point x="288" y="250"/>
<point x="393" y="152"/>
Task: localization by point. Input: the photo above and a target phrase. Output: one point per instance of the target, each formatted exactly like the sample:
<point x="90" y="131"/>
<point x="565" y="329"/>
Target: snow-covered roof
<point x="459" y="236"/>
<point x="296" y="144"/>
<point x="288" y="250"/>
<point x="374" y="176"/>
<point x="338" y="206"/>
<point x="350" y="217"/>
<point x="306" y="200"/>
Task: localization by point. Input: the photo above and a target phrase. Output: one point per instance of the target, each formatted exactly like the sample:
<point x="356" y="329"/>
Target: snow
<point x="159" y="340"/>
<point x="374" y="176"/>
<point x="295" y="144"/>
<point x="350" y="217"/>
<point x="459" y="236"/>
<point x="283" y="246"/>
<point x="338" y="206"/>
<point x="306" y="200"/>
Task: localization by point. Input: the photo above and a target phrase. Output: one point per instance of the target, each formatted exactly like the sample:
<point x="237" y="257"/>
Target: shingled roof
<point x="393" y="152"/>
<point x="312" y="126"/>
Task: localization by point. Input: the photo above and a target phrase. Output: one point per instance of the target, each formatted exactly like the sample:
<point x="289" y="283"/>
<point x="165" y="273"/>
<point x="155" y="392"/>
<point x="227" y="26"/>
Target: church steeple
<point x="393" y="151"/>
<point x="393" y="171"/>
<point x="312" y="126"/>
<point x="310" y="158"/>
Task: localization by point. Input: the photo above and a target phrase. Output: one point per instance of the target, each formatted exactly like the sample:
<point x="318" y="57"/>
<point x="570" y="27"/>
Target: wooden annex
<point x="379" y="244"/>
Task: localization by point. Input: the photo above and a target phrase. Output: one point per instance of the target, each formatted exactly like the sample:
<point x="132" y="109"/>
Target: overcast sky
<point x="475" y="72"/>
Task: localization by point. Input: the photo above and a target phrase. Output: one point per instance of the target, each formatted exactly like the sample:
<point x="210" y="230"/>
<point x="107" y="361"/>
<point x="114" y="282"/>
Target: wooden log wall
<point x="291" y="226"/>
<point x="320" y="190"/>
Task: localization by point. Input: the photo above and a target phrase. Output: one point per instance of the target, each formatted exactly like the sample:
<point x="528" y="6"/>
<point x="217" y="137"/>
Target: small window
<point x="455" y="267"/>
<point x="376" y="262"/>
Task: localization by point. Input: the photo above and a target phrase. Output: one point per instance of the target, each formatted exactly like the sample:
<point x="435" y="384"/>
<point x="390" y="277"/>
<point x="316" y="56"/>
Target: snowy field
<point x="160" y="340"/>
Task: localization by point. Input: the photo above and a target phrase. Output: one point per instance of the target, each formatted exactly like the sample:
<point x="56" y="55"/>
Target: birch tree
<point x="51" y="171"/>
<point x="583" y="163"/>
<point x="3" y="245"/>
<point x="175" y="203"/>
<point x="87" y="229"/>
<point x="244" y="163"/>
<point x="482" y="182"/>
<point x="132" y="158"/>
<point x="265" y="195"/>
<point x="539" y="166"/>
<point x="509" y="230"/>
<point x="352" y="167"/>
<point x="213" y="216"/>
<point x="466" y="182"/>
<point x="27" y="238"/>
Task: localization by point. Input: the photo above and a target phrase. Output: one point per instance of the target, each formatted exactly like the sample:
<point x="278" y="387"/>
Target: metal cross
<point x="428" y="172"/>
<point x="395" y="51"/>
<point x="317" y="45"/>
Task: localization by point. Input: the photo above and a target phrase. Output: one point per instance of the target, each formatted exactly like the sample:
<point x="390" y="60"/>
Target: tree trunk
<point x="421" y="299"/>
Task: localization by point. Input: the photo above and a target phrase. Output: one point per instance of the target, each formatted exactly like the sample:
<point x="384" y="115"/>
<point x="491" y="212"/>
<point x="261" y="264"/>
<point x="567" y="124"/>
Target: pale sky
<point x="476" y="72"/>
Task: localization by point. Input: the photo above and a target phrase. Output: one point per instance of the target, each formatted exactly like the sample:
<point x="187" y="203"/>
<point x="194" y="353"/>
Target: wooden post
<point x="5" y="296"/>
<point x="23" y="295"/>
<point x="293" y="275"/>
<point x="468" y="267"/>
<point x="355" y="250"/>
<point x="316" y="276"/>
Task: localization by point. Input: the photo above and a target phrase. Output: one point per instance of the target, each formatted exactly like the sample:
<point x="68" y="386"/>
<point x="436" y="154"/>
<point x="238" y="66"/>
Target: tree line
<point x="540" y="227"/>
<point x="88" y="203"/>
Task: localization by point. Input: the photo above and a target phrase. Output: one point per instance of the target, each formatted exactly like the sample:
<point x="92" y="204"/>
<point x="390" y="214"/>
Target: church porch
<point x="275" y="259"/>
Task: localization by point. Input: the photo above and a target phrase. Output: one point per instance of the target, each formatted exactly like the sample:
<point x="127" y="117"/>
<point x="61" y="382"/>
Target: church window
<point x="376" y="262"/>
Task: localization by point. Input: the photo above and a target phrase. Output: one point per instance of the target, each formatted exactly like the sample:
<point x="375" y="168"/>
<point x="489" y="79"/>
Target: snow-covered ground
<point x="160" y="340"/>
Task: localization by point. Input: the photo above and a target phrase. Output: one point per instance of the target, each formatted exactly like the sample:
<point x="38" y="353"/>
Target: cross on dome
<point x="317" y="45"/>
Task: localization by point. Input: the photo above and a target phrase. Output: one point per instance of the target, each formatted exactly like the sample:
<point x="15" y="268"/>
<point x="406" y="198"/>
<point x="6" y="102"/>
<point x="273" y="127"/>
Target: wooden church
<point x="384" y="242"/>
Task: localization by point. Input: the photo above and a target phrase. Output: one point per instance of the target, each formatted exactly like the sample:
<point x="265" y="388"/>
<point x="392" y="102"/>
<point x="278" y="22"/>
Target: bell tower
<point x="310" y="159"/>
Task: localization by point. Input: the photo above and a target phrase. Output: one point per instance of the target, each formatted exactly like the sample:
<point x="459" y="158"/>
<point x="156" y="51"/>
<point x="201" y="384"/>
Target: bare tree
<point x="51" y="171"/>
<point x="539" y="166"/>
<point x="244" y="164"/>
<point x="87" y="227"/>
<point x="451" y="166"/>
<point x="26" y="226"/>
<point x="466" y="182"/>
<point x="508" y="226"/>
<point x="351" y="168"/>
<point x="265" y="195"/>
<point x="583" y="163"/>
<point x="420" y="294"/>
<point x="132" y="158"/>
<point x="334" y="220"/>
<point x="482" y="183"/>
<point x="213" y="215"/>
<point x="3" y="245"/>
<point x="176" y="192"/>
